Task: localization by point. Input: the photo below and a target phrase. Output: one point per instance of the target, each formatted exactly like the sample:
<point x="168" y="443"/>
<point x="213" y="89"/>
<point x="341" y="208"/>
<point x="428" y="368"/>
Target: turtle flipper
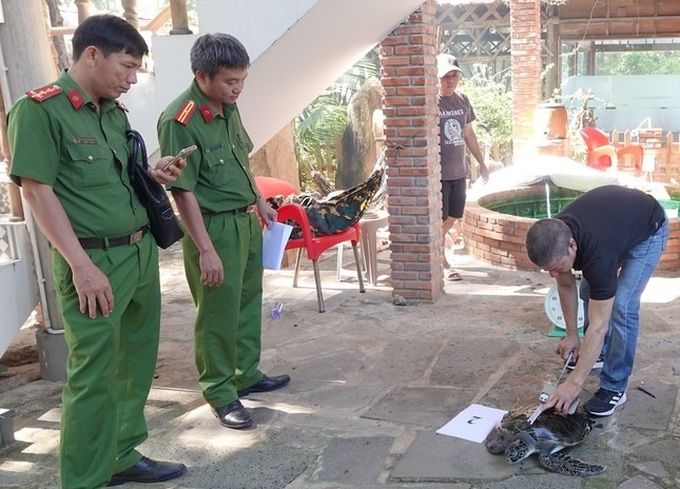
<point x="564" y="464"/>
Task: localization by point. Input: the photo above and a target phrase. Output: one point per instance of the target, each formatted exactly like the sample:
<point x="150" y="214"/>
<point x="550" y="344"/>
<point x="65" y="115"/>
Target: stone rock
<point x="363" y="139"/>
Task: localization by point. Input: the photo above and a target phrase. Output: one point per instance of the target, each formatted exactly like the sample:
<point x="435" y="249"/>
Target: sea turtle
<point x="549" y="434"/>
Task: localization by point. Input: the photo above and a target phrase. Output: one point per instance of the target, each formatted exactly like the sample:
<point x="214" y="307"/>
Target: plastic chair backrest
<point x="594" y="139"/>
<point x="270" y="187"/>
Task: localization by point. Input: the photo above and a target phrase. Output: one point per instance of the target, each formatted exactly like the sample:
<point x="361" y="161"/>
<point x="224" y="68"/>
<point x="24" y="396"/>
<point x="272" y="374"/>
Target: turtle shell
<point x="564" y="431"/>
<point x="550" y="432"/>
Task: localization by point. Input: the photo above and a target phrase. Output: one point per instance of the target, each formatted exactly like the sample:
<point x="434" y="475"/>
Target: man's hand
<point x="484" y="171"/>
<point x="93" y="289"/>
<point x="266" y="212"/>
<point x="166" y="173"/>
<point x="212" y="270"/>
<point x="568" y="344"/>
<point x="562" y="397"/>
<point x="92" y="285"/>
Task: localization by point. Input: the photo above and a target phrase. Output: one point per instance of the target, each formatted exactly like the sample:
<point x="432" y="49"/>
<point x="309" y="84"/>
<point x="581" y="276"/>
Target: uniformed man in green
<point x="216" y="197"/>
<point x="70" y="155"/>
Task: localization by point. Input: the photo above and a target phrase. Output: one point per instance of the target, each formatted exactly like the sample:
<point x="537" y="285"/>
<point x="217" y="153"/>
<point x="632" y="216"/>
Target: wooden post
<point x="83" y="9"/>
<point x="180" y="22"/>
<point x="130" y="12"/>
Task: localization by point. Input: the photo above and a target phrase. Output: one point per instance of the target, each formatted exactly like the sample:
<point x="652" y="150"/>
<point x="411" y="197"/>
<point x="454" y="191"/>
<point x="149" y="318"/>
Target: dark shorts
<point x="453" y="198"/>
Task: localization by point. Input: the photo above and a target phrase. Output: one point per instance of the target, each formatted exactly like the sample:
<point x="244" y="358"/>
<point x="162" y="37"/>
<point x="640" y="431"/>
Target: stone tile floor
<point x="372" y="382"/>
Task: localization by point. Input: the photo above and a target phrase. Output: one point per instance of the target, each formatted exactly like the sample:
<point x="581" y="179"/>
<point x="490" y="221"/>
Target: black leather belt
<point x="102" y="243"/>
<point x="240" y="210"/>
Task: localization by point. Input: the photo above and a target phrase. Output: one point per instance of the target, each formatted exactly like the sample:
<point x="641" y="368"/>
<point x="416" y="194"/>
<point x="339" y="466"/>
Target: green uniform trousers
<point x="110" y="365"/>
<point x="228" y="318"/>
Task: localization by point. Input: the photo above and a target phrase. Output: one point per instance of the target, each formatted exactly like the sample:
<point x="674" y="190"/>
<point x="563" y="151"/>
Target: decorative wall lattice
<point x="4" y="198"/>
<point x="8" y="250"/>
<point x="480" y="33"/>
<point x="476" y="33"/>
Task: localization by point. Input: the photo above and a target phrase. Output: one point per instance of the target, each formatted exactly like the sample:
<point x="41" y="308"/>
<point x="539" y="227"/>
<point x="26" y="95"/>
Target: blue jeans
<point x="620" y="343"/>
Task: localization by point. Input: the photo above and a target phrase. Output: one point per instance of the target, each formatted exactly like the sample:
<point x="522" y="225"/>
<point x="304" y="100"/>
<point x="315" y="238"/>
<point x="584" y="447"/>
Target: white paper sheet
<point x="474" y="423"/>
<point x="274" y="241"/>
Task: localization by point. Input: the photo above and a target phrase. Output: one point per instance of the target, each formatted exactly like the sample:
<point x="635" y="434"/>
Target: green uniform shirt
<point x="218" y="173"/>
<point x="59" y="138"/>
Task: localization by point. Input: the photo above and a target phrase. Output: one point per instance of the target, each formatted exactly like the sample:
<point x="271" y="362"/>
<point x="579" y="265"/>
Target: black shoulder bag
<point x="164" y="225"/>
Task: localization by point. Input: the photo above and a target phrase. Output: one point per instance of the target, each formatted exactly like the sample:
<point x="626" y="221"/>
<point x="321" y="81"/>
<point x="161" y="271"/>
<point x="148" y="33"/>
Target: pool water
<point x="533" y="204"/>
<point x="671" y="207"/>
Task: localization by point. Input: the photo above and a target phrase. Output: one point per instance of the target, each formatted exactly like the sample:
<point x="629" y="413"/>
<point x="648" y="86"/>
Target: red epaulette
<point x="185" y="112"/>
<point x="43" y="93"/>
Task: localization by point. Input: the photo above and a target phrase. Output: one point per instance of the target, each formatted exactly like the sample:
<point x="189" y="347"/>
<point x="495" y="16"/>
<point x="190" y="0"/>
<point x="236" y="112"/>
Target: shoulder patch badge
<point x="207" y="113"/>
<point x="75" y="99"/>
<point x="43" y="93"/>
<point x="185" y="112"/>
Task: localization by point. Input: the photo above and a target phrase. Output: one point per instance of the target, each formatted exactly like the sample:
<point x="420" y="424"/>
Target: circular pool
<point x="496" y="224"/>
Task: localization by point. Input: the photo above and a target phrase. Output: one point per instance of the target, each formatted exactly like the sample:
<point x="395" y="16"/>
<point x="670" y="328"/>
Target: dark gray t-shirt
<point x="454" y="113"/>
<point x="606" y="223"/>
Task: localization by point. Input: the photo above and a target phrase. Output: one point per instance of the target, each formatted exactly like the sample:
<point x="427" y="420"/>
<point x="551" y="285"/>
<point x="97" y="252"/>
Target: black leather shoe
<point x="147" y="470"/>
<point x="266" y="384"/>
<point x="234" y="415"/>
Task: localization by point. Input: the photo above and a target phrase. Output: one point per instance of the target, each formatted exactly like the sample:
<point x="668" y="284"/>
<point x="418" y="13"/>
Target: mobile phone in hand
<point x="182" y="154"/>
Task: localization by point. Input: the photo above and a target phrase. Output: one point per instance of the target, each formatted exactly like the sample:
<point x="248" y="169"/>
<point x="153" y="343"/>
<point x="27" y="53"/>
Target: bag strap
<point x="138" y="148"/>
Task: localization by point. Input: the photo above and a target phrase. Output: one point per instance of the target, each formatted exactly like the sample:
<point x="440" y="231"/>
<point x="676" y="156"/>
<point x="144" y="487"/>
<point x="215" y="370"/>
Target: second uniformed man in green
<point x="216" y="197"/>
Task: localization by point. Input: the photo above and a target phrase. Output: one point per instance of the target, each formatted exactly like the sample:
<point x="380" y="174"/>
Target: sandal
<point x="453" y="276"/>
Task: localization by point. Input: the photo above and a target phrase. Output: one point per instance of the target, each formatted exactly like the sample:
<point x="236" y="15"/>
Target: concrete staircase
<point x="297" y="49"/>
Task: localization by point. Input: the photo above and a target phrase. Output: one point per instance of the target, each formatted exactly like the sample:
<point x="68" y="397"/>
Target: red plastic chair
<point x="602" y="155"/>
<point x="314" y="245"/>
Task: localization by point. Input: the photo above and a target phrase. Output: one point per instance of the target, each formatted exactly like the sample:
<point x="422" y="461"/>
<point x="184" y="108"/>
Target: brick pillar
<point x="525" y="26"/>
<point x="409" y="77"/>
